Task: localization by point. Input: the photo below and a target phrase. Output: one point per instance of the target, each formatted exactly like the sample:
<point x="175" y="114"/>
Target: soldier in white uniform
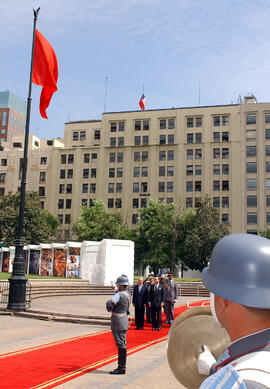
<point x="119" y="307"/>
<point x="238" y="278"/>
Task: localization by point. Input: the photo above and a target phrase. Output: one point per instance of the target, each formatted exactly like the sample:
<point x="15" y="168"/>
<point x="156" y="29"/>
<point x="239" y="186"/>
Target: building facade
<point x="12" y="116"/>
<point x="174" y="155"/>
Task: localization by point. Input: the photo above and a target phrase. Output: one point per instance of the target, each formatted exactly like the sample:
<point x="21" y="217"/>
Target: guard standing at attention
<point x="238" y="280"/>
<point x="119" y="307"/>
<point x="170" y="298"/>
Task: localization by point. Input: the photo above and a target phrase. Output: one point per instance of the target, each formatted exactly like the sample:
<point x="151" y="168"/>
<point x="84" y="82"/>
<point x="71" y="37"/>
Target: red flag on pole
<point x="45" y="71"/>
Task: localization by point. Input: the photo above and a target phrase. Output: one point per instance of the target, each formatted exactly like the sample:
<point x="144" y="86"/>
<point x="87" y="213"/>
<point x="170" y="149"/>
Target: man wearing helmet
<point x="119" y="306"/>
<point x="238" y="279"/>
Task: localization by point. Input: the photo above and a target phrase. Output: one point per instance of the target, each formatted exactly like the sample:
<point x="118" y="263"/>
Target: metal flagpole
<point x="105" y="102"/>
<point x="17" y="281"/>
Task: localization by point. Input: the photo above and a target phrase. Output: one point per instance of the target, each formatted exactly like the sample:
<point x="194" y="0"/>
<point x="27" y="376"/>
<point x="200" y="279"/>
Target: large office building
<point x="12" y="116"/>
<point x="174" y="155"/>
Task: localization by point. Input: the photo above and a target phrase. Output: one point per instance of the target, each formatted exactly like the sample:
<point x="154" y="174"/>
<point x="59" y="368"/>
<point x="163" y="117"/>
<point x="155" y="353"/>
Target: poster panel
<point x="60" y="262"/>
<point x="34" y="261"/>
<point x="73" y="262"/>
<point x="46" y="263"/>
<point x="5" y="261"/>
<point x="25" y="255"/>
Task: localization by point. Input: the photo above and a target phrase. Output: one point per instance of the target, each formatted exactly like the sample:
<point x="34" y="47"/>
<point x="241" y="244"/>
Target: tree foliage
<point x="265" y="233"/>
<point x="96" y="223"/>
<point x="39" y="225"/>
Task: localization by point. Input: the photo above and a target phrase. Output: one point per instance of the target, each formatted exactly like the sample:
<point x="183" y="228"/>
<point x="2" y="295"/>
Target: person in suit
<point x="156" y="302"/>
<point x="139" y="300"/>
<point x="148" y="284"/>
<point x="170" y="298"/>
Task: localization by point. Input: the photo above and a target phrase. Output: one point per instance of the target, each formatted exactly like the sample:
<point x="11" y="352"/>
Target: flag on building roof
<point x="45" y="71"/>
<point x="142" y="102"/>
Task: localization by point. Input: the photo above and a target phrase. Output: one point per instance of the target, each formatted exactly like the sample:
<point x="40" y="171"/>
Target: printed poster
<point x="46" y="263"/>
<point x="5" y="261"/>
<point x="60" y="263"/>
<point x="73" y="262"/>
<point x="34" y="261"/>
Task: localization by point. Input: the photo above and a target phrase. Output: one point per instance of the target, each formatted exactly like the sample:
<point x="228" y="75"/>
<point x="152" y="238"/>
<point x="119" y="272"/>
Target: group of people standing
<point x="151" y="296"/>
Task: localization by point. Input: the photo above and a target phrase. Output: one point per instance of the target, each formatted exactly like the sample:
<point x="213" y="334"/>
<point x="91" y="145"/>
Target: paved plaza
<point x="146" y="367"/>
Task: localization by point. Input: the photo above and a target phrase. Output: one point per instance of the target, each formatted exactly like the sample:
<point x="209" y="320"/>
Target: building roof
<point x="9" y="100"/>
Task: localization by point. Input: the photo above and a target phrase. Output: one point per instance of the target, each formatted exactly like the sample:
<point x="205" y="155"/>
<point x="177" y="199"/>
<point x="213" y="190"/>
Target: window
<point x="268" y="200"/>
<point x="43" y="161"/>
<point x="190" y="122"/>
<point x="251" y="184"/>
<point x="91" y="202"/>
<point x="170" y="124"/>
<point x="198" y="121"/>
<point x="189" y="202"/>
<point x="82" y="135"/>
<point x="144" y="187"/>
<point x="162" y="155"/>
<point x="189" y="138"/>
<point x="198" y="137"/>
<point x="136" y="172"/>
<point x="251" y="218"/>
<point x="225" y="153"/>
<point x="267" y="150"/>
<point x="61" y="188"/>
<point x="216" y="121"/>
<point x="93" y="173"/>
<point x="197" y="202"/>
<point x="189" y="186"/>
<point x="225" y="169"/>
<point x="86" y="158"/>
<point x="267" y="118"/>
<point x="225" y="136"/>
<point x="267" y="217"/>
<point x="68" y="203"/>
<point x="2" y="191"/>
<point x="60" y="218"/>
<point x="267" y="183"/>
<point x="225" y="218"/>
<point x="170" y="139"/>
<point x="67" y="218"/>
<point x="137" y="156"/>
<point x="97" y="134"/>
<point x="135" y="218"/>
<point x="267" y="167"/>
<point x="170" y="155"/>
<point x="70" y="159"/>
<point x="136" y="187"/>
<point x="169" y="186"/>
<point x="4" y="119"/>
<point x="225" y="120"/>
<point x="137" y="140"/>
<point x="144" y="156"/>
<point x="146" y="125"/>
<point x="162" y="124"/>
<point x="119" y="172"/>
<point x="145" y="140"/>
<point x="85" y="173"/>
<point x="170" y="171"/>
<point x="144" y="171"/>
<point x="251" y="118"/>
<point x="138" y="126"/>
<point x="113" y="126"/>
<point x="252" y="201"/>
<point x="162" y="139"/>
<point x="225" y="185"/>
<point x="216" y="170"/>
<point x="161" y="187"/>
<point x="120" y="157"/>
<point x="198" y="154"/>
<point x="198" y="186"/>
<point x="120" y="141"/>
<point x="225" y="202"/>
<point x="216" y="153"/>
<point x="111" y="188"/>
<point x="216" y="202"/>
<point x="267" y="134"/>
<point x="112" y="157"/>
<point x="144" y="202"/>
<point x="62" y="174"/>
<point x="41" y="191"/>
<point x="113" y="141"/>
<point x="60" y="204"/>
<point x="85" y="188"/>
<point x="92" y="188"/>
<point x="135" y="203"/>
<point x="118" y="203"/>
<point x="216" y="136"/>
<point x="69" y="188"/>
<point x="251" y="151"/>
<point x="161" y="171"/>
<point x="121" y="126"/>
<point x="119" y="187"/>
<point x="94" y="157"/>
<point x="189" y="154"/>
<point x="251" y="167"/>
<point x="189" y="170"/>
<point x="198" y="170"/>
<point x="42" y="177"/>
<point x="216" y="185"/>
<point x="75" y="135"/>
<point x="84" y="202"/>
<point x="251" y="135"/>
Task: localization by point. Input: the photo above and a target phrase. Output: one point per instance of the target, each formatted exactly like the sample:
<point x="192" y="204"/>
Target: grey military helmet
<point x="239" y="270"/>
<point x="123" y="280"/>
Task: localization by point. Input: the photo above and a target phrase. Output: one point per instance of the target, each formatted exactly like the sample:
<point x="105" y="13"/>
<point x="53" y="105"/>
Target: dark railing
<point x="4" y="293"/>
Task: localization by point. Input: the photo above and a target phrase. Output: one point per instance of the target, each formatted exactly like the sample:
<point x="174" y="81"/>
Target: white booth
<point x="73" y="259"/>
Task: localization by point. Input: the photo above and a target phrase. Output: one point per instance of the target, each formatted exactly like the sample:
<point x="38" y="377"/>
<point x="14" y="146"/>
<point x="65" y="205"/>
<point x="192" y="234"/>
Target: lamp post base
<point x="17" y="292"/>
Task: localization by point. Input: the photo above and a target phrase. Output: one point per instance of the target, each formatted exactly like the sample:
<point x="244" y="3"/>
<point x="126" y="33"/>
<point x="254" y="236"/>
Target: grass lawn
<point x="5" y="276"/>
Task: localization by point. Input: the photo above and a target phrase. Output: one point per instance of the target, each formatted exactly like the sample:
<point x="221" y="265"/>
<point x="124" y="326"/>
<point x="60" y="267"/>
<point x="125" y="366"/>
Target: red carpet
<point x="52" y="364"/>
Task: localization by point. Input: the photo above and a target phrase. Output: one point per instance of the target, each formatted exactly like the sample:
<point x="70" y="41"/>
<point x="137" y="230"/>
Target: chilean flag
<point x="142" y="102"/>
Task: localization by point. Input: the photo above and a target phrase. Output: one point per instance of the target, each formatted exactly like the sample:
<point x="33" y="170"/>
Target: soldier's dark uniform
<point x="119" y="307"/>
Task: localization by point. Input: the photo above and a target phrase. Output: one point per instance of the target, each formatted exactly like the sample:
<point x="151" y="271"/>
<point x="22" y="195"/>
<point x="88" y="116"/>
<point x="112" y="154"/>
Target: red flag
<point x="45" y="71"/>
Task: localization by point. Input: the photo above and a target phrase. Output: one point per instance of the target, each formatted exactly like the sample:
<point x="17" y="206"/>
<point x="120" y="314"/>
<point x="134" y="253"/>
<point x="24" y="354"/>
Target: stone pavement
<point x="146" y="367"/>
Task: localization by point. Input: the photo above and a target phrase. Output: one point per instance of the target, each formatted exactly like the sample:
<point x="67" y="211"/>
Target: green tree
<point x="96" y="223"/>
<point x="199" y="239"/>
<point x="265" y="233"/>
<point x="39" y="225"/>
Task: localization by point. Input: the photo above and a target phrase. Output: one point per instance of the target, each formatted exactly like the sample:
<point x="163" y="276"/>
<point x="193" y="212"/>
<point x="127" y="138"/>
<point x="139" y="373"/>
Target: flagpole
<point x="17" y="281"/>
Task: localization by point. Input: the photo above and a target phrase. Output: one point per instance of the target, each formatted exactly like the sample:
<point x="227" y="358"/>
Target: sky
<point x="171" y="47"/>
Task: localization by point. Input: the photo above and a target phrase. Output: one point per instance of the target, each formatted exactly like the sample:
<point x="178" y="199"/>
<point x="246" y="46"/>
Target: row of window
<point x="218" y="120"/>
<point x="197" y="169"/>
<point x="141" y="140"/>
<point x="197" y="186"/>
<point x="217" y="153"/>
<point x="61" y="219"/>
<point x="251" y="151"/>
